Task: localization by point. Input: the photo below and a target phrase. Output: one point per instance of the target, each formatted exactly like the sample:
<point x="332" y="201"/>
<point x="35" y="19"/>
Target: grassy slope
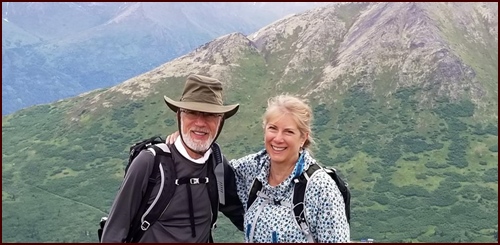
<point x="403" y="162"/>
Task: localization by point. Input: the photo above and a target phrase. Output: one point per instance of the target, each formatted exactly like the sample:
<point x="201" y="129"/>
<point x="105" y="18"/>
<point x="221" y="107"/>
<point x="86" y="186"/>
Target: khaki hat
<point x="203" y="94"/>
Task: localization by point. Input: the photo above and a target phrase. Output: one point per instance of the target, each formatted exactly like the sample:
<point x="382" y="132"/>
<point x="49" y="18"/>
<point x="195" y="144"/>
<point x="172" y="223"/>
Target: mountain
<point x="405" y="102"/>
<point x="67" y="48"/>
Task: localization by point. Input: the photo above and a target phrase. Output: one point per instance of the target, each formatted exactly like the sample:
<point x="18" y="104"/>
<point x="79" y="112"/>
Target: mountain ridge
<point x="100" y="45"/>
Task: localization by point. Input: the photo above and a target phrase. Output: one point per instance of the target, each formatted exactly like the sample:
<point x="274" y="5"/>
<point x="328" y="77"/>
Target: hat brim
<point x="228" y="110"/>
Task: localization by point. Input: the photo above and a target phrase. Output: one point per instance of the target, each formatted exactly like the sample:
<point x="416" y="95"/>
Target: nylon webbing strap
<point x="191" y="181"/>
<point x="298" y="199"/>
<point x="136" y="222"/>
<point x="163" y="201"/>
<point x="214" y="202"/>
<point x="256" y="186"/>
<point x="219" y="172"/>
<point x="299" y="192"/>
<point x="191" y="211"/>
<point x="257" y="213"/>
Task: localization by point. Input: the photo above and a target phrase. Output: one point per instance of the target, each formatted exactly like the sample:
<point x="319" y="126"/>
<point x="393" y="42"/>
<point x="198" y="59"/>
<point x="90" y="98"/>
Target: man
<point x="188" y="216"/>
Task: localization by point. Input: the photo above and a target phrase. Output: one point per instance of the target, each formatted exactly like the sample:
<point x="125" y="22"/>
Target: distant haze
<point x="55" y="50"/>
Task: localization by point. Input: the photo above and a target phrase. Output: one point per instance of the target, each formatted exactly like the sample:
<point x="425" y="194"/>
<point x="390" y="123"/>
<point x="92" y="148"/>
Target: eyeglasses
<point x="195" y="114"/>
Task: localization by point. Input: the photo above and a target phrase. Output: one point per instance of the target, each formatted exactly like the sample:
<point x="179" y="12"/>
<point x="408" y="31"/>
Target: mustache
<point x="203" y="130"/>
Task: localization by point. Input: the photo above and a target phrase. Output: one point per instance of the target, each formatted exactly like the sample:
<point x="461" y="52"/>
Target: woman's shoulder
<point x="321" y="181"/>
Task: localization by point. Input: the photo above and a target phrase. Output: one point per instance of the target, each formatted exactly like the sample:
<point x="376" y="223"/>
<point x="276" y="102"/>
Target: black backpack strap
<point x="212" y="188"/>
<point x="344" y="190"/>
<point x="298" y="199"/>
<point x="252" y="195"/>
<point x="144" y="219"/>
<point x="216" y="190"/>
<point x="299" y="192"/>
<point x="219" y="172"/>
<point x="188" y="181"/>
<point x="233" y="208"/>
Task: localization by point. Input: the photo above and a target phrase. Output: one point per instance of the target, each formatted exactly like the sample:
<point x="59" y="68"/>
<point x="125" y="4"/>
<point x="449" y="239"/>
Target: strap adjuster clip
<point x="145" y="225"/>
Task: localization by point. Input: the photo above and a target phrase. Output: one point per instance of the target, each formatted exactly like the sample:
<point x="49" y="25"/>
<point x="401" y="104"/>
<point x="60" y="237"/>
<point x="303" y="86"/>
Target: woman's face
<point x="283" y="139"/>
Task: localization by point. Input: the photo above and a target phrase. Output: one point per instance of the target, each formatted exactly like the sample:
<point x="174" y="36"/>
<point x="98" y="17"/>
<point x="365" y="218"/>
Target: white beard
<point x="196" y="145"/>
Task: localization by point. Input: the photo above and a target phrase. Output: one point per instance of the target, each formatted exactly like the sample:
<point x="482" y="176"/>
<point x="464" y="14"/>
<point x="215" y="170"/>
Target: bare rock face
<point x="446" y="49"/>
<point x="430" y="45"/>
<point x="405" y="39"/>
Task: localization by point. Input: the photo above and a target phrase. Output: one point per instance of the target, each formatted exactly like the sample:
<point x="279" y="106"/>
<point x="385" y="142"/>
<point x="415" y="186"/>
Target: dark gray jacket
<point x="173" y="224"/>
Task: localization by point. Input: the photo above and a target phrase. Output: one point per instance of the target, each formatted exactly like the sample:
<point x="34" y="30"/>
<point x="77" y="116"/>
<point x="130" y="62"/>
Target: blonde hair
<point x="294" y="106"/>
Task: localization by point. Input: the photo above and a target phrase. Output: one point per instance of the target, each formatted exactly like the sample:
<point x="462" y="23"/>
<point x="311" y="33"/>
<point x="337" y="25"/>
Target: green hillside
<point x="416" y="174"/>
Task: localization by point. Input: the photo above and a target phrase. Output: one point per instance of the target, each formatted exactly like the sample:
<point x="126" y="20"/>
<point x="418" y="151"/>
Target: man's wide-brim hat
<point x="203" y="94"/>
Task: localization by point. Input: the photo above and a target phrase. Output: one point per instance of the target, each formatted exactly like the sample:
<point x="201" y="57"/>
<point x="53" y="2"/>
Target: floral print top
<point x="271" y="219"/>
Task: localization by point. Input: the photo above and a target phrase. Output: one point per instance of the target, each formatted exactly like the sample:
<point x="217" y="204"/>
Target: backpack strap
<point x="344" y="190"/>
<point x="146" y="217"/>
<point x="219" y="172"/>
<point x="252" y="195"/>
<point x="216" y="187"/>
<point x="299" y="193"/>
<point x="298" y="199"/>
<point x="188" y="181"/>
<point x="300" y="190"/>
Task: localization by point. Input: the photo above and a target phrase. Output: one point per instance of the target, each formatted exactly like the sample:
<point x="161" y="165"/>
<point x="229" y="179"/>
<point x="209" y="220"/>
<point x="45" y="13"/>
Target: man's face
<point x="199" y="130"/>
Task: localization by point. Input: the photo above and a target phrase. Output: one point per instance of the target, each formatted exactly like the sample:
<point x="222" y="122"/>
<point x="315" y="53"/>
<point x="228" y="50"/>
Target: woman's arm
<point x="325" y="210"/>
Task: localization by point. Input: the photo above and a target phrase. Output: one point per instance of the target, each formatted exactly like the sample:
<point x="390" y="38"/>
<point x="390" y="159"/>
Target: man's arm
<point x="233" y="209"/>
<point x="128" y="199"/>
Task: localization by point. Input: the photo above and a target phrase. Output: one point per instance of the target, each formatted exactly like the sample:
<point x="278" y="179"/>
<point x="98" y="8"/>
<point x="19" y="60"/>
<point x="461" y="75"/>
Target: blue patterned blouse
<point x="266" y="221"/>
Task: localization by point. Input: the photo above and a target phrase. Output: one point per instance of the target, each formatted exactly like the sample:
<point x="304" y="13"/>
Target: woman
<point x="287" y="136"/>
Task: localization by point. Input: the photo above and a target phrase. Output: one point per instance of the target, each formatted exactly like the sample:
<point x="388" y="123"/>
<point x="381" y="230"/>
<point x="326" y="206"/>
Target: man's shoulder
<point x="163" y="147"/>
<point x="147" y="155"/>
<point x="142" y="164"/>
<point x="144" y="156"/>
